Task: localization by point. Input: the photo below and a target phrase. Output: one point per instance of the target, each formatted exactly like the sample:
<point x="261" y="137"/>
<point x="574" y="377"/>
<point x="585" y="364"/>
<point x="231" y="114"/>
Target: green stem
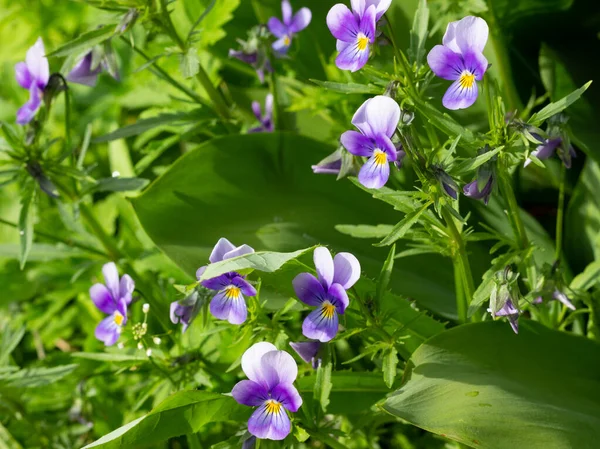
<point x="111" y="248"/>
<point x="561" y="212"/>
<point x="514" y="215"/>
<point x="462" y="268"/>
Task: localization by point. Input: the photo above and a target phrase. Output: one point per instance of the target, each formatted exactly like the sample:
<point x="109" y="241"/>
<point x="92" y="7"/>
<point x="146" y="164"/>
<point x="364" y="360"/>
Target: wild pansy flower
<point x="229" y="303"/>
<point x="327" y="293"/>
<point x="332" y="164"/>
<point x="271" y="374"/>
<point x="285" y="30"/>
<point x="113" y="297"/>
<point x="504" y="297"/>
<point x="355" y="31"/>
<point x="461" y="60"/>
<point x="511" y="312"/>
<point x="483" y="185"/>
<point x="308" y="351"/>
<point x="376" y="120"/>
<point x="33" y="75"/>
<point x="557" y="142"/>
<point x="184" y="311"/>
<point x="253" y="52"/>
<point x="83" y="73"/>
<point x="266" y="121"/>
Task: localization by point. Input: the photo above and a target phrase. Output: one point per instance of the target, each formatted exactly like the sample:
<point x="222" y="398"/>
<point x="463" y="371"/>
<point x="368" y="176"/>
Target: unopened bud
<point x="146" y="308"/>
<point x="140" y="346"/>
<point x="156" y="340"/>
<point x="148" y="352"/>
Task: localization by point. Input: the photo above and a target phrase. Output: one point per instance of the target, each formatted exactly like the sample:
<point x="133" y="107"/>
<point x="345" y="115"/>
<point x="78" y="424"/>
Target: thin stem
<point x="561" y="212"/>
<point x="462" y="268"/>
<point x="513" y="209"/>
<point x="111" y="248"/>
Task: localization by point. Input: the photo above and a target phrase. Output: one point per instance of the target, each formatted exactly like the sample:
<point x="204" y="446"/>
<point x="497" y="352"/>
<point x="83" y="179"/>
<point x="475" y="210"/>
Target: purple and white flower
<point x="229" y="303"/>
<point x="308" y="351"/>
<point x="33" y="75"/>
<point x="332" y="164"/>
<point x="327" y="293"/>
<point x="113" y="297"/>
<point x="183" y="311"/>
<point x="511" y="312"/>
<point x="355" y="31"/>
<point x="83" y="73"/>
<point x="266" y="120"/>
<point x="291" y="24"/>
<point x="547" y="149"/>
<point x="461" y="60"/>
<point x="475" y="190"/>
<point x="376" y="120"/>
<point x="271" y="374"/>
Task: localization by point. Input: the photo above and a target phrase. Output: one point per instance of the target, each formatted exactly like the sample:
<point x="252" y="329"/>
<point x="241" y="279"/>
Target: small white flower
<point x="140" y="346"/>
<point x="156" y="340"/>
<point x="146" y="308"/>
<point x="148" y="352"/>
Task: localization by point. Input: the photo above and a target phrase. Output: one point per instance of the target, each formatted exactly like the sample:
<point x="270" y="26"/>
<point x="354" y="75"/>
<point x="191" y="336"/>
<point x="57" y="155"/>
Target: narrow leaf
<point x="349" y="88"/>
<point x="403" y="226"/>
<point x="471" y="164"/>
<point x="26" y="223"/>
<point x="418" y="33"/>
<point x="365" y="231"/>
<point x="386" y="273"/>
<point x="390" y="364"/>
<point x="144" y="125"/>
<point x="85" y="41"/>
<point x="558" y="106"/>
<point x="588" y="278"/>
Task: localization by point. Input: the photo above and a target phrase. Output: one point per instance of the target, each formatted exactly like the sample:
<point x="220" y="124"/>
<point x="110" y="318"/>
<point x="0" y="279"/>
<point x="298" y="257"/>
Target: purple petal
<point x="239" y="251"/>
<point x="324" y="265"/>
<point x="26" y="112"/>
<point x="248" y="392"/>
<point x="476" y="64"/>
<point x="330" y="165"/>
<point x="102" y="298"/>
<point x="471" y="34"/>
<point x="37" y="64"/>
<point x="381" y="7"/>
<point x="346" y="269"/>
<point x="278" y="367"/>
<point x="111" y="279"/>
<point x="458" y="97"/>
<point x="350" y="57"/>
<point x="286" y="12"/>
<point x="449" y="39"/>
<point x="218" y="283"/>
<point x="378" y="115"/>
<point x="342" y="23"/>
<point x="282" y="45"/>
<point x="368" y="23"/>
<point x="560" y="296"/>
<point x="257" y="110"/>
<point x="307" y="350"/>
<point x="269" y="101"/>
<point x="22" y="75"/>
<point x="270" y="426"/>
<point x="358" y="7"/>
<point x="126" y="288"/>
<point x="277" y="28"/>
<point x="222" y="247"/>
<point x="318" y="326"/>
<point x="245" y="287"/>
<point x="357" y="144"/>
<point x="339" y="297"/>
<point x="374" y="174"/>
<point x="449" y="189"/>
<point x="385" y="144"/>
<point x="445" y="63"/>
<point x="224" y="306"/>
<point x="471" y="190"/>
<point x="308" y="289"/>
<point x="251" y="360"/>
<point x="248" y="58"/>
<point x="300" y="20"/>
<point x="108" y="331"/>
<point x="288" y="396"/>
<point x="547" y="150"/>
<point x="199" y="272"/>
<point x="82" y="73"/>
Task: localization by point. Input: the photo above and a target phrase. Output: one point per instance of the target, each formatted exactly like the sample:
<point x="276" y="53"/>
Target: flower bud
<point x="146" y="308"/>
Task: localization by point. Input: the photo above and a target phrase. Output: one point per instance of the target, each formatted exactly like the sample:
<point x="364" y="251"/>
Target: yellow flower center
<point x="362" y="42"/>
<point x="380" y="157"/>
<point x="467" y="80"/>
<point x="118" y="319"/>
<point x="232" y="292"/>
<point x="273" y="407"/>
<point x="327" y="310"/>
<point x="286" y="40"/>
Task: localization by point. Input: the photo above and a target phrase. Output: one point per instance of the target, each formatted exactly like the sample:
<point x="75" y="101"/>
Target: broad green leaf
<point x="365" y="231"/>
<point x="418" y="33"/>
<point x="144" y="125"/>
<point x="182" y="413"/>
<point x="117" y="184"/>
<point x="403" y="226"/>
<point x="558" y="106"/>
<point x="390" y="365"/>
<point x="484" y="386"/>
<point x="85" y="41"/>
<point x="35" y="377"/>
<point x="351" y="392"/>
<point x="265" y="261"/>
<point x="587" y="279"/>
<point x="350" y="88"/>
<point x="258" y="190"/>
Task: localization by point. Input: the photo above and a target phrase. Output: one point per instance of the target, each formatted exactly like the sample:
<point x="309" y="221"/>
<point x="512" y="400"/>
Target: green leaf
<point x="10" y="339"/>
<point x="144" y="125"/>
<point x="365" y="231"/>
<point x="42" y="251"/>
<point x="558" y="106"/>
<point x="418" y="33"/>
<point x="403" y="226"/>
<point x="385" y="275"/>
<point x="207" y="22"/>
<point x="26" y="222"/>
<point x="390" y="365"/>
<point x="265" y="261"/>
<point x="349" y="88"/>
<point x="484" y="386"/>
<point x="256" y="190"/>
<point x="471" y="164"/>
<point x="323" y="383"/>
<point x="110" y="356"/>
<point x="189" y="63"/>
<point x="351" y="392"/>
<point x="85" y="41"/>
<point x="7" y="441"/>
<point x="117" y="184"/>
<point x="587" y="279"/>
<point x="182" y="413"/>
<point x="35" y="377"/>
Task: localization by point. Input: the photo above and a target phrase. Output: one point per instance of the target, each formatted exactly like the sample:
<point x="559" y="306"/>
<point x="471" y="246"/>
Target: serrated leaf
<point x="85" y="41"/>
<point x="349" y="88"/>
